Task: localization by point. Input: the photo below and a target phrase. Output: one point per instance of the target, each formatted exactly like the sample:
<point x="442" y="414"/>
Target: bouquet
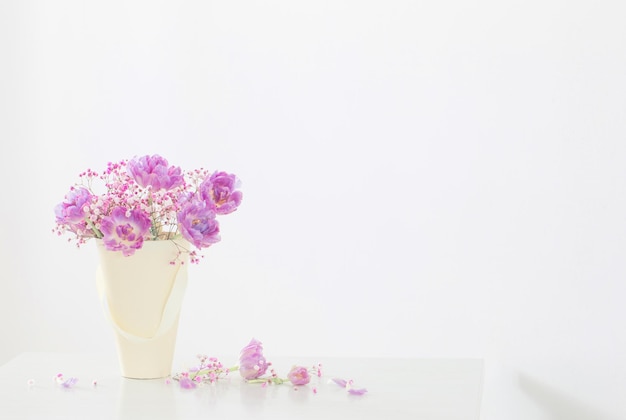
<point x="146" y="199"/>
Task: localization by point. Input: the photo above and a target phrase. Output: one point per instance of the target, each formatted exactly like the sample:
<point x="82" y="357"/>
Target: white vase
<point x="142" y="295"/>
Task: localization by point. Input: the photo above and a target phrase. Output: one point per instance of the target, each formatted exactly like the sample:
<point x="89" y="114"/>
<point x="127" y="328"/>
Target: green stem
<point x="94" y="229"/>
<point x="216" y="371"/>
<point x="277" y="381"/>
<point x="153" y="225"/>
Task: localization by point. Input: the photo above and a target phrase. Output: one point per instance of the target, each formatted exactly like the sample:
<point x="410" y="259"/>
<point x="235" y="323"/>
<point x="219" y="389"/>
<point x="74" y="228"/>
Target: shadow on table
<point x="558" y="405"/>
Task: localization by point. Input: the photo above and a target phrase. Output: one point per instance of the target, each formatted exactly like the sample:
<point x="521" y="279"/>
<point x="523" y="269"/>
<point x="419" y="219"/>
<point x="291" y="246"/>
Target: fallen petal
<point x="353" y="391"/>
<point x="69" y="383"/>
<point x="341" y="382"/>
<point x="187" y="383"/>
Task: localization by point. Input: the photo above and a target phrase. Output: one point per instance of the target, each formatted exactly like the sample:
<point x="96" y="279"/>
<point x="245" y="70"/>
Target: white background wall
<point x="420" y="179"/>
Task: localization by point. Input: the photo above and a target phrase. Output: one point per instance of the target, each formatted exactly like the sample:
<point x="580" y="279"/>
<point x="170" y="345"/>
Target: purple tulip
<point x="198" y="224"/>
<point x="153" y="171"/>
<point x="220" y="189"/>
<point x="299" y="375"/>
<point x="72" y="210"/>
<point x="124" y="232"/>
<point x="252" y="364"/>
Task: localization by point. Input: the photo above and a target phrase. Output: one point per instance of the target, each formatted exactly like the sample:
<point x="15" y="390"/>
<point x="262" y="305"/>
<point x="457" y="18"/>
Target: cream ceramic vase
<point x="142" y="296"/>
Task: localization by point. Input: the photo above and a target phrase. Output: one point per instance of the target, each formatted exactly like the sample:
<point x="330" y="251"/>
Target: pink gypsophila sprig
<point x="208" y="371"/>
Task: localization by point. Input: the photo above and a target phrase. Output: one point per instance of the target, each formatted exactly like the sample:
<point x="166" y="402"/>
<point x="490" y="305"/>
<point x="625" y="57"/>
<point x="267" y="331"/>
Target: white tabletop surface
<point x="447" y="389"/>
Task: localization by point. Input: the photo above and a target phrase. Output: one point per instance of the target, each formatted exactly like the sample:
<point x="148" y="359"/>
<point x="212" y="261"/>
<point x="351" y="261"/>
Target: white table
<point x="397" y="389"/>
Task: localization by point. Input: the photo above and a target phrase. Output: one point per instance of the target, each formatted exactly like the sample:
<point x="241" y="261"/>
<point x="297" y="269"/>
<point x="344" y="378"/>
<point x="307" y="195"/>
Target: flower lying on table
<point x="252" y="363"/>
<point x="299" y="375"/>
<point x="253" y="368"/>
<point x="146" y="199"/>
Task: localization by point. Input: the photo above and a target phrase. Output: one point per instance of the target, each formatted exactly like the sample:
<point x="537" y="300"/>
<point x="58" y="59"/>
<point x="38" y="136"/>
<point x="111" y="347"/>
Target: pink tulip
<point x="299" y="375"/>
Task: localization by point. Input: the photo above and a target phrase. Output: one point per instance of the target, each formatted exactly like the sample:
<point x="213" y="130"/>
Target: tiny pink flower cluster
<point x="146" y="199"/>
<point x="208" y="371"/>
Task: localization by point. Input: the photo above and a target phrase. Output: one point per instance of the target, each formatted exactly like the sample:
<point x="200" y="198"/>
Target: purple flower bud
<point x="125" y="233"/>
<point x="299" y="375"/>
<point x="252" y="364"/>
<point x="153" y="171"/>
<point x="198" y="224"/>
<point x="220" y="189"/>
